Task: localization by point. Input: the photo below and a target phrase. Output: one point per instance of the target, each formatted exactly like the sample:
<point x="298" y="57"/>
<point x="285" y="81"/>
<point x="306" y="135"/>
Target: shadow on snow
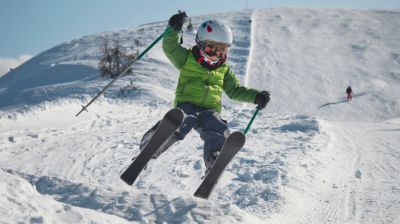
<point x="344" y="100"/>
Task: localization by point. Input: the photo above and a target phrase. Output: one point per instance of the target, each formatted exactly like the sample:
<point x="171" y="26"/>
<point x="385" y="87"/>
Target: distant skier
<point x="204" y="75"/>
<point x="349" y="93"/>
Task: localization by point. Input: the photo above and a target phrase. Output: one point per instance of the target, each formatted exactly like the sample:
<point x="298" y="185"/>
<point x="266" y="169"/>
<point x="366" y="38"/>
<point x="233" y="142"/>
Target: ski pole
<point x="251" y="121"/>
<point x="123" y="72"/>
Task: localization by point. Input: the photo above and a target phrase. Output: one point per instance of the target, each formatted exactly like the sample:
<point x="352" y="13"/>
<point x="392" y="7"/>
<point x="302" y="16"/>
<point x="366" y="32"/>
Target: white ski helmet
<point x="212" y="30"/>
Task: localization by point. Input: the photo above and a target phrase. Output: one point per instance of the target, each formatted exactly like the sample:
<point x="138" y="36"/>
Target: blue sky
<point x="31" y="26"/>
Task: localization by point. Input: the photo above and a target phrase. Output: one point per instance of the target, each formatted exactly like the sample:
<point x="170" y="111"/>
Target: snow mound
<point x="302" y="124"/>
<point x="22" y="203"/>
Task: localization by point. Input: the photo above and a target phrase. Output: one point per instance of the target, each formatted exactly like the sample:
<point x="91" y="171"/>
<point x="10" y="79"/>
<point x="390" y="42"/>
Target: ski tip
<point x="198" y="195"/>
<point x="125" y="179"/>
<point x="176" y="115"/>
<point x="238" y="136"/>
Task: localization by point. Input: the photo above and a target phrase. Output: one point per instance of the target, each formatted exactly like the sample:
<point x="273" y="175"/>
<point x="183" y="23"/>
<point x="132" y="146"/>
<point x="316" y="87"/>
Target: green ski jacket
<point x="199" y="85"/>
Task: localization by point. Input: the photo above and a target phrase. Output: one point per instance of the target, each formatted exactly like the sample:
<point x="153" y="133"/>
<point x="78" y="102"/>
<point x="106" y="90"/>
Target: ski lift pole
<point x="123" y="72"/>
<point x="251" y="121"/>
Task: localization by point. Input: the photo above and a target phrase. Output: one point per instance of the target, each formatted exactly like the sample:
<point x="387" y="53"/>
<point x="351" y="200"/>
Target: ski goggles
<point x="215" y="49"/>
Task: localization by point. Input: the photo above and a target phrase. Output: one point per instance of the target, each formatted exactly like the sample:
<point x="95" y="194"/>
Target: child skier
<point x="203" y="76"/>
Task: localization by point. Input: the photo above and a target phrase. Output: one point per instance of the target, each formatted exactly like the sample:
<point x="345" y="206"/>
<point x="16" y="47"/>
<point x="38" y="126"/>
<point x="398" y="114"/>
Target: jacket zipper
<point x="207" y="88"/>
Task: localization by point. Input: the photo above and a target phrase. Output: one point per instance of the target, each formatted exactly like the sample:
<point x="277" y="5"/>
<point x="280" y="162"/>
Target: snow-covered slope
<point x="310" y="157"/>
<point x="309" y="57"/>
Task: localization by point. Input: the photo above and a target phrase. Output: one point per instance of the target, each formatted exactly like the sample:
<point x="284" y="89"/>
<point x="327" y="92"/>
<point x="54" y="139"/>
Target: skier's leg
<point x="190" y="121"/>
<point x="213" y="130"/>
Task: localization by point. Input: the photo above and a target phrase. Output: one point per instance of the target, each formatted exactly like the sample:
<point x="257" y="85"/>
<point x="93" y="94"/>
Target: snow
<point x="310" y="156"/>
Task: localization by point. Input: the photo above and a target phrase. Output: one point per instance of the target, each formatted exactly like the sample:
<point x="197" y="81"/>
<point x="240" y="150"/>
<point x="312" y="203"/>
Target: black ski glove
<point x="262" y="99"/>
<point x="177" y="20"/>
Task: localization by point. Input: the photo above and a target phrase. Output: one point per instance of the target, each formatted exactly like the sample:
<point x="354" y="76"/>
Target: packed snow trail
<point x="344" y="178"/>
<point x="347" y="177"/>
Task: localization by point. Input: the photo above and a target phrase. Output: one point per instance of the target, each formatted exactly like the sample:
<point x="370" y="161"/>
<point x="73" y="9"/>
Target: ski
<point x="232" y="145"/>
<point x="168" y="125"/>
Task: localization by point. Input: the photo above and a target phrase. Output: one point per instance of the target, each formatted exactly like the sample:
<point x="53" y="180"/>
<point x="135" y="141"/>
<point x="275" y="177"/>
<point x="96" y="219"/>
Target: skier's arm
<point x="173" y="50"/>
<point x="237" y="92"/>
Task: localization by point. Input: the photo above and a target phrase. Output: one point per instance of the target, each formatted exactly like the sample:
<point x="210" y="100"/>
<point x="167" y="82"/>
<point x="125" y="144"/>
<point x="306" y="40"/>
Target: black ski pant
<point x="208" y="123"/>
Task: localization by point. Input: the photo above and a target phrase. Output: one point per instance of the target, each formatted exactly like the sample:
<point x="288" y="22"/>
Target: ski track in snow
<point x="310" y="157"/>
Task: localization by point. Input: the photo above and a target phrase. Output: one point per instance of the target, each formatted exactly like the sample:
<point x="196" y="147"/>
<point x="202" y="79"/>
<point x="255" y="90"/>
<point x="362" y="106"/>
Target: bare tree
<point x="116" y="58"/>
<point x="106" y="59"/>
<point x="190" y="25"/>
